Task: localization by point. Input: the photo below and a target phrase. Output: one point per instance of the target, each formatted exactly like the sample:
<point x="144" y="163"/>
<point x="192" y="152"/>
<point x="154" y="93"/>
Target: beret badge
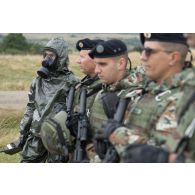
<point x="81" y="45"/>
<point x="99" y="49"/>
<point x="147" y="35"/>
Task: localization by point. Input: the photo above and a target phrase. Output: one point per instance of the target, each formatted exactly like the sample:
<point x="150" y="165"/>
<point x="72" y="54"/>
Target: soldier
<point x="152" y="120"/>
<point x="91" y="83"/>
<point x="111" y="60"/>
<point x="186" y="111"/>
<point x="53" y="75"/>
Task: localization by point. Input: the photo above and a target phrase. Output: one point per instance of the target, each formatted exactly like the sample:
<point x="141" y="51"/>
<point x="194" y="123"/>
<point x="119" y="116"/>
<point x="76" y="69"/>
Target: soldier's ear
<point x="122" y="63"/>
<point x="175" y="58"/>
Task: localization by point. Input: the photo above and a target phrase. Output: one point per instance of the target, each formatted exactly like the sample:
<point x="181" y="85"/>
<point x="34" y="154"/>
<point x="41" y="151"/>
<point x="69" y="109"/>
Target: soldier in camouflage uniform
<point x="53" y="75"/>
<point x="111" y="58"/>
<point x="150" y="125"/>
<point x="92" y="83"/>
<point x="186" y="109"/>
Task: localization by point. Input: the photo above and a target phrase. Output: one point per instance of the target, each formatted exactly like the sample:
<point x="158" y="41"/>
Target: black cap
<point x="110" y="48"/>
<point x="87" y="44"/>
<point x="164" y="37"/>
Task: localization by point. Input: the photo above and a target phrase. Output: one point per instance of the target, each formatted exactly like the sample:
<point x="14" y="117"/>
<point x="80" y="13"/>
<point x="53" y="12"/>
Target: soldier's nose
<point x="143" y="56"/>
<point x="78" y="61"/>
<point x="97" y="69"/>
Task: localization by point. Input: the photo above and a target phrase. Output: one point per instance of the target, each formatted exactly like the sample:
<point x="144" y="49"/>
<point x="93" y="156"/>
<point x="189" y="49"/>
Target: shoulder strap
<point x="94" y="89"/>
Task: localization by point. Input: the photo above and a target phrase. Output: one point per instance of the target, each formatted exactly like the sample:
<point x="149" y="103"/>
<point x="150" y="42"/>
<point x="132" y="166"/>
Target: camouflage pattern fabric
<point x="153" y="118"/>
<point x="133" y="79"/>
<point x="186" y="113"/>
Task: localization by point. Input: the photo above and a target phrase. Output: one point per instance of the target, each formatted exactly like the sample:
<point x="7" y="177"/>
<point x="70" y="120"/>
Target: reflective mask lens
<point x="48" y="62"/>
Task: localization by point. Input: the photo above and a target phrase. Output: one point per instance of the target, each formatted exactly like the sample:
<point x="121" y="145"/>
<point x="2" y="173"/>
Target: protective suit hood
<point x="60" y="47"/>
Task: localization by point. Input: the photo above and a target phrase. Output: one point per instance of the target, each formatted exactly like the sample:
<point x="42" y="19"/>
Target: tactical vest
<point x="92" y="85"/>
<point x="155" y="116"/>
<point x="99" y="114"/>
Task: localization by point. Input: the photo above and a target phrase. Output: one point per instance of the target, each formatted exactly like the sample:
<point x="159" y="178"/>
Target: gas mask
<point x="48" y="65"/>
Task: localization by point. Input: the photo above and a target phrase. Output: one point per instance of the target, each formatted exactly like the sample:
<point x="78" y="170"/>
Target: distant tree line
<point x="16" y="43"/>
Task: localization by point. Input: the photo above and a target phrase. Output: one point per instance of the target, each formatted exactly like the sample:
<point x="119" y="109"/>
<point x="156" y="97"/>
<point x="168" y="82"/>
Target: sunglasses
<point x="149" y="51"/>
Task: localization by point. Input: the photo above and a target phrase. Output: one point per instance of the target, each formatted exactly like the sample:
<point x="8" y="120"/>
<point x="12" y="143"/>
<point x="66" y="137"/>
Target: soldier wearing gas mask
<point x="52" y="76"/>
<point x="48" y="64"/>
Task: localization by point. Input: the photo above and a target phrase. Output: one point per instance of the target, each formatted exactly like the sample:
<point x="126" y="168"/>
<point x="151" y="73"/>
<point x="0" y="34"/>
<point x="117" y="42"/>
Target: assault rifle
<point x="111" y="154"/>
<point x="81" y="137"/>
<point x="70" y="100"/>
<point x="71" y="121"/>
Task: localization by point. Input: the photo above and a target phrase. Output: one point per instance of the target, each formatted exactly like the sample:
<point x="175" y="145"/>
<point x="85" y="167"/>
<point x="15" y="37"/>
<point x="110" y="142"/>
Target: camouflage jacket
<point x="152" y="119"/>
<point x="133" y="79"/>
<point x="185" y="114"/>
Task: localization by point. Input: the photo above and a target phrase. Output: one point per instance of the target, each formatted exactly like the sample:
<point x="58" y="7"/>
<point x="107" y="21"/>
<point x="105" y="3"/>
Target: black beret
<point x="164" y="37"/>
<point x="110" y="48"/>
<point x="87" y="44"/>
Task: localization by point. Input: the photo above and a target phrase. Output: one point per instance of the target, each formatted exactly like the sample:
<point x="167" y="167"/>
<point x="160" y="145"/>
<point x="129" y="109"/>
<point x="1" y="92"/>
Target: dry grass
<point x="17" y="71"/>
<point x="9" y="125"/>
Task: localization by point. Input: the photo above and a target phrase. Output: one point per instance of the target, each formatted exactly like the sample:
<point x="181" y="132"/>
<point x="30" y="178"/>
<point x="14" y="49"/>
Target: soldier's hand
<point x="72" y="124"/>
<point x="101" y="141"/>
<point x="107" y="129"/>
<point x="142" y="153"/>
